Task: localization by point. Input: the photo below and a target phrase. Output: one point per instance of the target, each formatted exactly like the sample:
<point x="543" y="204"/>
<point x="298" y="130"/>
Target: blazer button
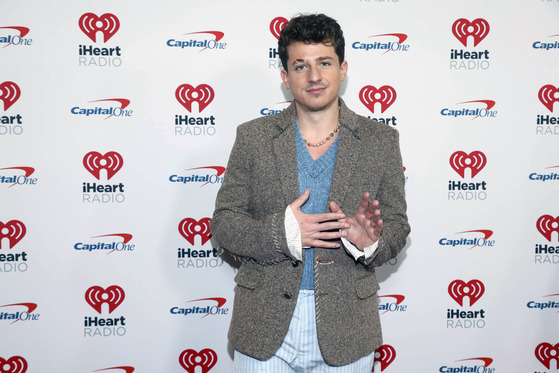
<point x="287" y="295"/>
<point x="295" y="263"/>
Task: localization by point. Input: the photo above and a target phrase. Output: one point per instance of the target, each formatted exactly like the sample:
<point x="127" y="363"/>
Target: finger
<point x="324" y="244"/>
<point x="334" y="207"/>
<point x="325" y="217"/>
<point x="300" y="201"/>
<point x="362" y="208"/>
<point x="373" y="211"/>
<point x="378" y="229"/>
<point x="333" y="225"/>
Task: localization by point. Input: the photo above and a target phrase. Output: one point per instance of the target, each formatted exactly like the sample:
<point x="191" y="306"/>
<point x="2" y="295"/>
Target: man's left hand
<point x="365" y="226"/>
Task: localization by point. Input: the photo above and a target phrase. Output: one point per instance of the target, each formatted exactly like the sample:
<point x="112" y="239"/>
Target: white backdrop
<point x="105" y="258"/>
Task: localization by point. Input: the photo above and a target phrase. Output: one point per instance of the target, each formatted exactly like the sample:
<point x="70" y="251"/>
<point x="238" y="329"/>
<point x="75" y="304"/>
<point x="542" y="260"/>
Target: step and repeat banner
<point x="116" y="123"/>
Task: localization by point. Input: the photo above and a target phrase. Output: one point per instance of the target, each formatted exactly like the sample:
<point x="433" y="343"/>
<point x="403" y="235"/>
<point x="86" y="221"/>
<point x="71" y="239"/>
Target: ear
<point x="285" y="78"/>
<point x="343" y="68"/>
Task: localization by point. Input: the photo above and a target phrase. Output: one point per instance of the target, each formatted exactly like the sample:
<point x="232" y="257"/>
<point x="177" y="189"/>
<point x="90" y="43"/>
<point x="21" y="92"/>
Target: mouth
<point x="315" y="90"/>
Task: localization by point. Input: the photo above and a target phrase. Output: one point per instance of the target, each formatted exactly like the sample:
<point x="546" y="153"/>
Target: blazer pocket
<point x="366" y="287"/>
<point x="248" y="277"/>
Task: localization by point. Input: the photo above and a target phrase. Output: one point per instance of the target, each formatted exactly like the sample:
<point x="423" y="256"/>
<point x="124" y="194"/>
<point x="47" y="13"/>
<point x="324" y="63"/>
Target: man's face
<point x="313" y="75"/>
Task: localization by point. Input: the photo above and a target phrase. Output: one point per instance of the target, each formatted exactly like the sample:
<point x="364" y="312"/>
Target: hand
<point x="365" y="225"/>
<point x="314" y="227"/>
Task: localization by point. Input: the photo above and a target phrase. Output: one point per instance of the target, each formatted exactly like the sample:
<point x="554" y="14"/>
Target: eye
<point x="299" y="67"/>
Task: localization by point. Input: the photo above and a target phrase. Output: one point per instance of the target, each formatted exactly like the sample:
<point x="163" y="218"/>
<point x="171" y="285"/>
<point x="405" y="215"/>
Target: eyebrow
<point x="324" y="58"/>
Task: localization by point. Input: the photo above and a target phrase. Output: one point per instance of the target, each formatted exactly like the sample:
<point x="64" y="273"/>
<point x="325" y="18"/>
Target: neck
<point x="317" y="124"/>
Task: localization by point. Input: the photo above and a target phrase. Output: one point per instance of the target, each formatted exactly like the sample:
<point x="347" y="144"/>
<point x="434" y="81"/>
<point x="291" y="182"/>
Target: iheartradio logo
<point x="549" y="95"/>
<point x="190" y="228"/>
<point x="385" y="355"/>
<point x="546" y="225"/>
<point x="15" y="364"/>
<point x="205" y="359"/>
<point x="96" y="296"/>
<point x="13" y="231"/>
<point x="385" y="96"/>
<point x="458" y="289"/>
<point x="545" y="352"/>
<point x="187" y="94"/>
<point x="94" y="162"/>
<point x="475" y="161"/>
<point x="277" y="25"/>
<point x="9" y="94"/>
<point x="477" y="29"/>
<point x="91" y="24"/>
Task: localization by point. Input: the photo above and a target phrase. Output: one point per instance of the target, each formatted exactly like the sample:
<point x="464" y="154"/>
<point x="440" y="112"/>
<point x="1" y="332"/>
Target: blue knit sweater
<point x="316" y="176"/>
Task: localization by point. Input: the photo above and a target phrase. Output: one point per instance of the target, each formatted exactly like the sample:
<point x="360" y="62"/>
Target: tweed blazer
<point x="260" y="182"/>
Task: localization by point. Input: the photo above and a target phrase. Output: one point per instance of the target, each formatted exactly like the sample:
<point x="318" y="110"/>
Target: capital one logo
<point x="477" y="29"/>
<point x="393" y="306"/>
<point x="549" y="95"/>
<point x="545" y="352"/>
<point x="14" y="230"/>
<point x="385" y="354"/>
<point x="277" y="25"/>
<point x="121" y="369"/>
<point x="108" y="24"/>
<point x="9" y="94"/>
<point x="15" y="364"/>
<point x="370" y="95"/>
<point x="475" y="161"/>
<point x="459" y="289"/>
<point x="190" y="228"/>
<point x="22" y="32"/>
<point x="111" y="162"/>
<point x="546" y="225"/>
<point x="205" y="359"/>
<point x="187" y="94"/>
<point x="96" y="296"/>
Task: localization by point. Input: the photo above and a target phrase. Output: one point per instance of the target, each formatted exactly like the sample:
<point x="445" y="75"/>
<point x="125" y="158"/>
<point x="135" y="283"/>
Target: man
<point x="306" y="289"/>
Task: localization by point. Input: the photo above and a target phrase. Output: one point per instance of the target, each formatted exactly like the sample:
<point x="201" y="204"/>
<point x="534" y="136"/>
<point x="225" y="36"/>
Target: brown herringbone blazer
<point x="248" y="222"/>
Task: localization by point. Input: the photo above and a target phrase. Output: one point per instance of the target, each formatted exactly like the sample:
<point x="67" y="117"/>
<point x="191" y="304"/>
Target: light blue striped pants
<point x="299" y="351"/>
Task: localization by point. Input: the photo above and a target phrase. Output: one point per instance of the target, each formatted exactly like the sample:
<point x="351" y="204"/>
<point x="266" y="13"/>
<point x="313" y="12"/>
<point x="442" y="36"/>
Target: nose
<point x="314" y="74"/>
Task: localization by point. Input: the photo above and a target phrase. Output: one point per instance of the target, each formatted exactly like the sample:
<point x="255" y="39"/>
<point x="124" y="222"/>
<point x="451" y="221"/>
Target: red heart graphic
<point x="277" y="25"/>
<point x="458" y="289"/>
<point x="545" y="352"/>
<point x="549" y="95"/>
<point x="94" y="162"/>
<point x="95" y="296"/>
<point x="14" y="230"/>
<point x="187" y="94"/>
<point x="90" y="24"/>
<point x="478" y="29"/>
<point x="9" y="94"/>
<point x="190" y="228"/>
<point x="15" y="364"/>
<point x="547" y="224"/>
<point x="190" y="359"/>
<point x="475" y="161"/>
<point x="385" y="95"/>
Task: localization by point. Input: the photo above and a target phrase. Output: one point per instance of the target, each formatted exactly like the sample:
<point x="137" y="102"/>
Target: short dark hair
<point x="310" y="29"/>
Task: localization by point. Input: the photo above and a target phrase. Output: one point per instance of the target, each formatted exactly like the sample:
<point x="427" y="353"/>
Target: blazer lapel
<point x="285" y="155"/>
<point x="344" y="169"/>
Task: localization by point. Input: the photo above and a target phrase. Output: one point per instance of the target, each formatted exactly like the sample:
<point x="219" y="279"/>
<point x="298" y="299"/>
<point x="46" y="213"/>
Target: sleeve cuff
<point x="293" y="234"/>
<point x="368" y="253"/>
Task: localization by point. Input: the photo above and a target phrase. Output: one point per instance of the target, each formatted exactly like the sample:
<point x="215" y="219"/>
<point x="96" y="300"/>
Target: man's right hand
<point x="316" y="228"/>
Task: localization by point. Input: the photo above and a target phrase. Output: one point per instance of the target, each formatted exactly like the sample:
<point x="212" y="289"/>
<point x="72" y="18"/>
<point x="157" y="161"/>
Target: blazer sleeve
<point x="240" y="225"/>
<point x="392" y="205"/>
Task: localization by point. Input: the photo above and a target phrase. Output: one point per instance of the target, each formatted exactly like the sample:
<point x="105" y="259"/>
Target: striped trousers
<point x="299" y="351"/>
